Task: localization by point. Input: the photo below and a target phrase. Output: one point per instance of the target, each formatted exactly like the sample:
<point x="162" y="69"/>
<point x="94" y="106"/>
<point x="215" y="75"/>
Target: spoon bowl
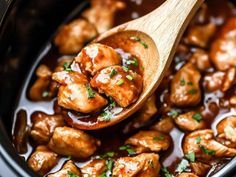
<point x="157" y="35"/>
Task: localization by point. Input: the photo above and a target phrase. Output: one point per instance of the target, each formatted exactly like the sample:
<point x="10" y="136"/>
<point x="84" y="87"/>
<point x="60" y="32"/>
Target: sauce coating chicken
<point x="187" y="175"/>
<point x="203" y="144"/>
<point x="42" y="160"/>
<point x="75" y="93"/>
<point x="68" y="169"/>
<point x="43" y="126"/>
<point x="94" y="168"/>
<point x="71" y="38"/>
<point x="143" y="165"/>
<point x="72" y="142"/>
<point x="150" y="140"/>
<point x="95" y="57"/>
<point x="124" y="87"/>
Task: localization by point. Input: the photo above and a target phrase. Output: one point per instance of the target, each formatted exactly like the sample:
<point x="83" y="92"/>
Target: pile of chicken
<point x="216" y="68"/>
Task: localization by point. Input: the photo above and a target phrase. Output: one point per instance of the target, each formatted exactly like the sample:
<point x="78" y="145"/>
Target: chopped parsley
<point x="106" y="116"/>
<point x="129" y="77"/>
<point x="109" y="164"/>
<point x="66" y="67"/>
<point x="150" y="164"/>
<point x="166" y="172"/>
<point x="69" y="157"/>
<point x="207" y="151"/>
<point x="182" y="82"/>
<point x="142" y="67"/>
<point x="173" y="113"/>
<point x="183" y="165"/>
<point x="113" y="72"/>
<point x="104" y="174"/>
<point x="197" y="117"/>
<point x="190" y="83"/>
<point x="107" y="155"/>
<point x="127" y="148"/>
<point x="134" y="62"/>
<point x="125" y="68"/>
<point x="191" y="156"/>
<point x="158" y="138"/>
<point x="45" y="94"/>
<point x="90" y="91"/>
<point x="137" y="39"/>
<point x="192" y="91"/>
<point x="198" y="140"/>
<point x="112" y="102"/>
<point x="120" y="82"/>
<point x="71" y="174"/>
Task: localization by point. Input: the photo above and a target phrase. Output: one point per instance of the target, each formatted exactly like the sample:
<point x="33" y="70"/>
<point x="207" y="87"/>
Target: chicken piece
<point x="42" y="160"/>
<point x="185" y="90"/>
<point x="43" y="126"/>
<point x="68" y="169"/>
<point x="190" y="121"/>
<point x="124" y="87"/>
<point x="202" y="143"/>
<point x="199" y="35"/>
<point x="38" y="91"/>
<point x="226" y="130"/>
<point x="75" y="93"/>
<point x="94" y="168"/>
<point x="143" y="165"/>
<point x="223" y="49"/>
<point x="201" y="60"/>
<point x="165" y="125"/>
<point x="102" y="13"/>
<point x="187" y="175"/>
<point x="143" y="115"/>
<point x="200" y="168"/>
<point x="71" y="38"/>
<point x="71" y="142"/>
<point x="95" y="57"/>
<point x="229" y="79"/>
<point x="63" y="62"/>
<point x="232" y="100"/>
<point x="150" y="140"/>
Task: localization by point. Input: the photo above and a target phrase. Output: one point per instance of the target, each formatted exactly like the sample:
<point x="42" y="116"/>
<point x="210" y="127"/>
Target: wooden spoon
<point x="161" y="30"/>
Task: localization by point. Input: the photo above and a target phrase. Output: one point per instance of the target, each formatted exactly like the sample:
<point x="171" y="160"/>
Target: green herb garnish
<point x="198" y="140"/>
<point x="197" y="117"/>
<point x="190" y="83"/>
<point x="158" y="138"/>
<point x="120" y="82"/>
<point x="132" y="62"/>
<point x="127" y="148"/>
<point x="142" y="67"/>
<point x="135" y="38"/>
<point x="125" y="68"/>
<point x="45" y="94"/>
<point x="207" y="151"/>
<point x="182" y="166"/>
<point x="192" y="91"/>
<point x="113" y="73"/>
<point x="106" y="116"/>
<point x="112" y="102"/>
<point x="90" y="91"/>
<point x="190" y="156"/>
<point x="173" y="113"/>
<point x="129" y="77"/>
<point x="166" y="172"/>
<point x="150" y="164"/>
<point x="66" y="67"/>
<point x="182" y="82"/>
<point x="109" y="164"/>
<point x="71" y="174"/>
<point x="104" y="174"/>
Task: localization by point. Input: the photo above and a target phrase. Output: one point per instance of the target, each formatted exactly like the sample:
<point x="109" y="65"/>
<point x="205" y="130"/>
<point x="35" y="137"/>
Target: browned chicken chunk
<point x="200" y="168"/>
<point x="185" y="90"/>
<point x="187" y="175"/>
<point x="76" y="93"/>
<point x="42" y="160"/>
<point x="150" y="140"/>
<point x="71" y="142"/>
<point x="190" y="121"/>
<point x="68" y="169"/>
<point x="203" y="144"/>
<point x="223" y="50"/>
<point x="43" y="126"/>
<point x="226" y="131"/>
<point x="95" y="57"/>
<point x="143" y="165"/>
<point x="38" y="91"/>
<point x="201" y="60"/>
<point x="102" y="13"/>
<point x="94" y="168"/>
<point x="124" y="87"/>
<point x="71" y="37"/>
<point x="165" y="125"/>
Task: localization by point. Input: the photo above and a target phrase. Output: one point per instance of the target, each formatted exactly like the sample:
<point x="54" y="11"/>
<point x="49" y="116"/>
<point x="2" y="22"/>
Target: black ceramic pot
<point x="25" y="25"/>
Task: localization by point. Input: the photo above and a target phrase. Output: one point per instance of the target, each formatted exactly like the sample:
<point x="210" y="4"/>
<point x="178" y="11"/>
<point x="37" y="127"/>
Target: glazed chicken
<point x="185" y="90"/>
<point x="94" y="168"/>
<point x="124" y="87"/>
<point x="71" y="38"/>
<point x="226" y="130"/>
<point x="187" y="175"/>
<point x="200" y="168"/>
<point x="203" y="144"/>
<point x="43" y="126"/>
<point x="201" y="60"/>
<point x="42" y="160"/>
<point x="151" y="140"/>
<point x="76" y="93"/>
<point x="165" y="125"/>
<point x="95" y="57"/>
<point x="190" y="121"/>
<point x="72" y="142"/>
<point x="68" y="169"/>
<point x="145" y="165"/>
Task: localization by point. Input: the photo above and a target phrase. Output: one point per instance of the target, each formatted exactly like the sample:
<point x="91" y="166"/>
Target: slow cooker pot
<point x="25" y="25"/>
